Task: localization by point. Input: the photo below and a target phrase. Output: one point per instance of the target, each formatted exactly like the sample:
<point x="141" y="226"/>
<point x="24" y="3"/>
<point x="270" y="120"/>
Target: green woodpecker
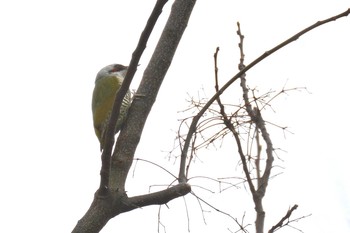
<point x="107" y="84"/>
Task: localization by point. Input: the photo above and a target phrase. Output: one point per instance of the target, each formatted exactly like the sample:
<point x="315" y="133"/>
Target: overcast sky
<point x="50" y="52"/>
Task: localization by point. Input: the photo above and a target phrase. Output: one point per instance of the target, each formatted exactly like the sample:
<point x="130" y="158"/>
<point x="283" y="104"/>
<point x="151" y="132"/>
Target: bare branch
<point x="192" y="128"/>
<point x="280" y="223"/>
<point x="256" y="118"/>
<point x="156" y="198"/>
<point x="258" y="158"/>
<point x="229" y="125"/>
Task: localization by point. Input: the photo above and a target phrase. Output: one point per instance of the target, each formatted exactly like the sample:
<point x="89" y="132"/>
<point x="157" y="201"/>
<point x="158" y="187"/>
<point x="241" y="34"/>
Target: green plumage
<point x="107" y="84"/>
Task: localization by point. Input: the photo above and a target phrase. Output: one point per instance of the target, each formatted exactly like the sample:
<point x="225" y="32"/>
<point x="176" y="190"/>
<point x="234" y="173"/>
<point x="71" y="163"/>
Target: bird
<point x="107" y="84"/>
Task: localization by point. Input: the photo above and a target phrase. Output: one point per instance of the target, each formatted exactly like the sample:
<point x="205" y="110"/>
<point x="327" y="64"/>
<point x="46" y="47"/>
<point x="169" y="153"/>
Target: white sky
<point x="50" y="52"/>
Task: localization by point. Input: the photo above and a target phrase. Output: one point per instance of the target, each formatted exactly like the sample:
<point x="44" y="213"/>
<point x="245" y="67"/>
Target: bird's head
<point x="112" y="70"/>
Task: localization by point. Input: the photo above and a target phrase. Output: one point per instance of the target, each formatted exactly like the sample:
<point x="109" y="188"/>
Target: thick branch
<point x="107" y="150"/>
<point x="146" y="94"/>
<point x="100" y="212"/>
<point x="159" y="198"/>
<point x="104" y="208"/>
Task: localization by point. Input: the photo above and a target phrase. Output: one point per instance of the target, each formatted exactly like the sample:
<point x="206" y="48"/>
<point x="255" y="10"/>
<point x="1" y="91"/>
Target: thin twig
<point x="242" y="228"/>
<point x="157" y="165"/>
